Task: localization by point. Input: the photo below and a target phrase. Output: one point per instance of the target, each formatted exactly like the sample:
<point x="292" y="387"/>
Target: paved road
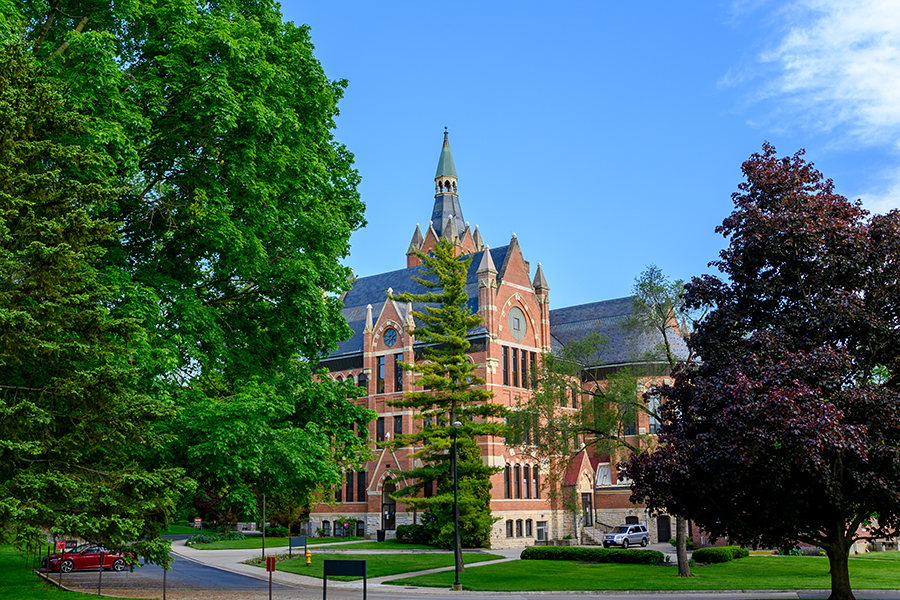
<point x="224" y="577"/>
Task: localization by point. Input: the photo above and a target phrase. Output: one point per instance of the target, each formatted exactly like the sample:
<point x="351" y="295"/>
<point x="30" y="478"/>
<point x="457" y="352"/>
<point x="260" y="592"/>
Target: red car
<point x="85" y="556"/>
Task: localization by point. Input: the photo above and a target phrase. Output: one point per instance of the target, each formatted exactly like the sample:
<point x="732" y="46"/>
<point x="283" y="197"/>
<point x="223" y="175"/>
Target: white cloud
<point x="836" y="70"/>
<point x="840" y="64"/>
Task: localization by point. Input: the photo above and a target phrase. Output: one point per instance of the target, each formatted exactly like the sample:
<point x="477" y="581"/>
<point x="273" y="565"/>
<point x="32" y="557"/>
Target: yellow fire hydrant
<point x="308" y="557"/>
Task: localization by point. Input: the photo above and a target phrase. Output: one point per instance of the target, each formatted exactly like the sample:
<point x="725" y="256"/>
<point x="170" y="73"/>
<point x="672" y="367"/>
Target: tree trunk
<point x="838" y="562"/>
<point x="684" y="569"/>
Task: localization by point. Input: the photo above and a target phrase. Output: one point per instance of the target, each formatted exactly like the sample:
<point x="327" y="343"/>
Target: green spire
<point x="445" y="166"/>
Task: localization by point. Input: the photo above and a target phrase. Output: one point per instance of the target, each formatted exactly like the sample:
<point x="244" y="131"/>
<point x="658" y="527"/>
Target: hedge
<point x="719" y="554"/>
<point x="596" y="555"/>
<point x="413" y="534"/>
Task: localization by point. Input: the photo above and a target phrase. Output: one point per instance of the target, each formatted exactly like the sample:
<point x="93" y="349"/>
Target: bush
<point x="719" y="554"/>
<point x="277" y="532"/>
<point x="688" y="543"/>
<point x="597" y="555"/>
<point x="208" y="538"/>
<point x="413" y="534"/>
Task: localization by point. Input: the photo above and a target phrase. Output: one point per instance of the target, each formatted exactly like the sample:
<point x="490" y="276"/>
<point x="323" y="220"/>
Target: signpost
<point x="296" y="541"/>
<point x="270" y="567"/>
<point x="343" y="568"/>
<point x="199" y="523"/>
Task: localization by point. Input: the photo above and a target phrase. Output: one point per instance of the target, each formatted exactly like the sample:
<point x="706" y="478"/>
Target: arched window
<point x="509" y="528"/>
<point x="507" y="487"/>
<point x="526" y="480"/>
<point x="519" y="528"/>
<point x="326" y="528"/>
<point x="363" y="383"/>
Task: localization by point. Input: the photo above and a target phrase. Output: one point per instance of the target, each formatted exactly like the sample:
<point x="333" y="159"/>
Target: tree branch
<point x="65" y="45"/>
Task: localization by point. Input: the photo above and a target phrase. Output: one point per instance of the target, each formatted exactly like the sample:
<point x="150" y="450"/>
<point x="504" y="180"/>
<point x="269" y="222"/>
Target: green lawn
<point x="180" y="530"/>
<point x="271" y="542"/>
<point x="387" y="545"/>
<point x="17" y="581"/>
<point x="378" y="565"/>
<point x="875" y="571"/>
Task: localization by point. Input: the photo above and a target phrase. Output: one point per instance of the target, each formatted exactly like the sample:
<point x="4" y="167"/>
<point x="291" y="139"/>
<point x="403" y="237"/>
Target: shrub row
<point x="413" y="534"/>
<point x="277" y="532"/>
<point x="208" y="538"/>
<point x="719" y="554"/>
<point x="597" y="555"/>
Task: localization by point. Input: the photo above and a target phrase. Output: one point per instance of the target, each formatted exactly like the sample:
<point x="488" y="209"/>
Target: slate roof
<point x="566" y="324"/>
<point x="373" y="290"/>
<point x="606" y="319"/>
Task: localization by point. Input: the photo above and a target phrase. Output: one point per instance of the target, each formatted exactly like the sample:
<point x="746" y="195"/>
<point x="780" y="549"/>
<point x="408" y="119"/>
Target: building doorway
<point x="587" y="509"/>
<point x="388" y="507"/>
<point x="664" y="528"/>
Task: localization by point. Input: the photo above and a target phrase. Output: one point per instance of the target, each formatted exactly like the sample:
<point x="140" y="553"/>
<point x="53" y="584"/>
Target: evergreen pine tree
<point x="452" y="393"/>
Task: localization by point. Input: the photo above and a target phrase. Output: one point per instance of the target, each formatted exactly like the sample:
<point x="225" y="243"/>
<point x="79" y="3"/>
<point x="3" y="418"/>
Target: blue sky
<point x="606" y="135"/>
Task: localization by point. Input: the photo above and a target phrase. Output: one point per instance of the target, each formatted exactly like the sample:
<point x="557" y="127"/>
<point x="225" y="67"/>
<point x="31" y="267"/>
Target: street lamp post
<point x="456" y="550"/>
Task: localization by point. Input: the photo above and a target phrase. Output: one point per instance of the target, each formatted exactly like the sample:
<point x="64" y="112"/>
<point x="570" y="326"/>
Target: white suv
<point x="626" y="535"/>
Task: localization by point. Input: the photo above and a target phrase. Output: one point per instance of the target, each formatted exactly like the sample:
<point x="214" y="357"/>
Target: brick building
<point x="517" y="327"/>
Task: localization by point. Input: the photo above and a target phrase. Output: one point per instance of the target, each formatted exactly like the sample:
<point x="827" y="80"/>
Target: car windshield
<point x="620" y="530"/>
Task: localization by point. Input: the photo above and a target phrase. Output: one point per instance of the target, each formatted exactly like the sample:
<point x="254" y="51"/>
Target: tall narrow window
<point x="526" y="480"/>
<point x="361" y="486"/>
<point x="517" y="470"/>
<point x="349" y="486"/>
<point x="524" y="369"/>
<point x="509" y="528"/>
<point x="398" y="425"/>
<point x="528" y="528"/>
<point x="653" y="414"/>
<point x="574" y="398"/>
<point x="505" y="357"/>
<point x="398" y="373"/>
<point x="518" y="527"/>
<point x="338" y="493"/>
<point x="533" y="370"/>
<point x="537" y="483"/>
<point x="379" y="430"/>
<point x="507" y="488"/>
<point x="379" y="376"/>
<point x="515" y="367"/>
<point x="428" y="490"/>
<point x="364" y="384"/>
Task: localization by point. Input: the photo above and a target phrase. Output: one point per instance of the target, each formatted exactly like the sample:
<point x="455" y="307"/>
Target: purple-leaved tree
<point x="788" y="429"/>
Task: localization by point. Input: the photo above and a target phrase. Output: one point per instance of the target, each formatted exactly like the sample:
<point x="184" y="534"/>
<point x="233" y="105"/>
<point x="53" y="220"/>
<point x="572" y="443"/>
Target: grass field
<point x="180" y="530"/>
<point x="875" y="571"/>
<point x="378" y="565"/>
<point x="271" y="542"/>
<point x="18" y="582"/>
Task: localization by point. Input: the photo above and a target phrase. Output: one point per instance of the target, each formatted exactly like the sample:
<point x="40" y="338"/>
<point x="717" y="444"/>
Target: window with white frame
<point x="603" y="475"/>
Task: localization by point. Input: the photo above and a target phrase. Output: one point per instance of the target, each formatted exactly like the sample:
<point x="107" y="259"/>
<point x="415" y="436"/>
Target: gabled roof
<point x="373" y="290"/>
<point x="606" y="319"/>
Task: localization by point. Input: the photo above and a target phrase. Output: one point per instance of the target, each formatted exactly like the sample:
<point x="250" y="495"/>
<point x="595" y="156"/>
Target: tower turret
<point x="446" y="197"/>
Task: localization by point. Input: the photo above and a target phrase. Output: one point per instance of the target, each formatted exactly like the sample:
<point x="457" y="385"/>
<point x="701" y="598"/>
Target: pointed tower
<point x="446" y="198"/>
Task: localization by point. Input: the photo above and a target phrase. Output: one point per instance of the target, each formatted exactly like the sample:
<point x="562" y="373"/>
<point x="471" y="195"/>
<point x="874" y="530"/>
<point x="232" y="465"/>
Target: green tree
<point x="576" y="402"/>
<point x="453" y="395"/>
<point x="72" y="424"/>
<point x="236" y="210"/>
<point x="788" y="429"/>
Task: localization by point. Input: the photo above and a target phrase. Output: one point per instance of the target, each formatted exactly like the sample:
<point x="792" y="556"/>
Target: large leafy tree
<point x="788" y="429"/>
<point x="237" y="206"/>
<point x="452" y="394"/>
<point x="607" y="404"/>
<point x="71" y="421"/>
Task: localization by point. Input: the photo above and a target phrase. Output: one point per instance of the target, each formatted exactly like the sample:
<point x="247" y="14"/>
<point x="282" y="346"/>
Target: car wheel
<point x="625" y="543"/>
<point x="67" y="566"/>
<point x="644" y="543"/>
<point x="118" y="565"/>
